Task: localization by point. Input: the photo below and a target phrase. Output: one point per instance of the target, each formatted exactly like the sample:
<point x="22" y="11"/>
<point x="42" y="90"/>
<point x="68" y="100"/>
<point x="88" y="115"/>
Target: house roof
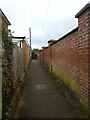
<point x="2" y="15"/>
<point x="18" y="37"/>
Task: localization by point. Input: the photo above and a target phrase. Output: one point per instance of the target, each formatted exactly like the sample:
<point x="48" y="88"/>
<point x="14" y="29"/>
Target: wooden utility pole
<point x="30" y="37"/>
<point x="30" y="43"/>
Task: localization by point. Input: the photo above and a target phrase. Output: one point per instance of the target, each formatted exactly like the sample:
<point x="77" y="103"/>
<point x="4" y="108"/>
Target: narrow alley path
<point x="42" y="98"/>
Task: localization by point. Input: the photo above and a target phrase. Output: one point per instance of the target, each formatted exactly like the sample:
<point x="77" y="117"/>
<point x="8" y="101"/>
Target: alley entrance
<point x="42" y="98"/>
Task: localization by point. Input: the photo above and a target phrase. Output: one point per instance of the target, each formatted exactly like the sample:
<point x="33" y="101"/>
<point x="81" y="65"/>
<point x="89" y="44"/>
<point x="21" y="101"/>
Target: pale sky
<point x="48" y="19"/>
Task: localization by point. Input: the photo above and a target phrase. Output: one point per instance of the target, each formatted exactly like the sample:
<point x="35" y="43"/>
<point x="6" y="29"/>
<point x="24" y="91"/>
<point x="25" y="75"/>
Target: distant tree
<point x="34" y="53"/>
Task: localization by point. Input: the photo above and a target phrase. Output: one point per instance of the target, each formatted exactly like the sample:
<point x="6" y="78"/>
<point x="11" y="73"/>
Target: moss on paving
<point x="70" y="89"/>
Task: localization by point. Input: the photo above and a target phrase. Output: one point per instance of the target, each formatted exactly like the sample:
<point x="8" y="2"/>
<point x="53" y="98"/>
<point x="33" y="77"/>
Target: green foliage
<point x="34" y="53"/>
<point x="7" y="72"/>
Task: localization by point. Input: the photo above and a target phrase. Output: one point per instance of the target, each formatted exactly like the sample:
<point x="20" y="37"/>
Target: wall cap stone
<point x="44" y="47"/>
<point x="87" y="6"/>
<point x="50" y="42"/>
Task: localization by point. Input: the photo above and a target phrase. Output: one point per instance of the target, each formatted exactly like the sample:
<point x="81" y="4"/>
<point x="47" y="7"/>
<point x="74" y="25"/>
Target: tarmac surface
<point x="42" y="98"/>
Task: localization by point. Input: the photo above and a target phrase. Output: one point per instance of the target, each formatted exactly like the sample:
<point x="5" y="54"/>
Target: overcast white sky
<point x="48" y="19"/>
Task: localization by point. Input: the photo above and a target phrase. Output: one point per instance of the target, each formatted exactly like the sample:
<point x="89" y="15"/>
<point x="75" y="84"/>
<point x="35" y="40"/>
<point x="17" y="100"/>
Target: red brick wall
<point x="65" y="54"/>
<point x="71" y="54"/>
<point x="84" y="39"/>
<point x="69" y="58"/>
<point x="44" y="55"/>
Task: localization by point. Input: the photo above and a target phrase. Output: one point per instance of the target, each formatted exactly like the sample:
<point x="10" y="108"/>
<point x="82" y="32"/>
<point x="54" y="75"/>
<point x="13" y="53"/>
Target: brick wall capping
<point x="2" y="15"/>
<point x="55" y="41"/>
<point x="44" y="47"/>
<point x="50" y="42"/>
<point x="87" y="6"/>
<point x="74" y="30"/>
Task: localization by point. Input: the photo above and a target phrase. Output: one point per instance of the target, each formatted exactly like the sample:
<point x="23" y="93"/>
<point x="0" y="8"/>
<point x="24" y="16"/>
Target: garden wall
<point x="68" y="57"/>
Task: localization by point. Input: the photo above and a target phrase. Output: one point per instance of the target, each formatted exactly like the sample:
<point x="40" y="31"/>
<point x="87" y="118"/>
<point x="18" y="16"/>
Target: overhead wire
<point x="30" y="21"/>
<point x="31" y="11"/>
<point x="45" y="19"/>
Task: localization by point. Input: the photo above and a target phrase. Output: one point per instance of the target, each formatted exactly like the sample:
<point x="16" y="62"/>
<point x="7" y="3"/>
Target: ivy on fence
<point x="7" y="73"/>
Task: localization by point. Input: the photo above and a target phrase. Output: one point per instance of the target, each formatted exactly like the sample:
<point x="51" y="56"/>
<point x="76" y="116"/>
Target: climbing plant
<point x="7" y="72"/>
